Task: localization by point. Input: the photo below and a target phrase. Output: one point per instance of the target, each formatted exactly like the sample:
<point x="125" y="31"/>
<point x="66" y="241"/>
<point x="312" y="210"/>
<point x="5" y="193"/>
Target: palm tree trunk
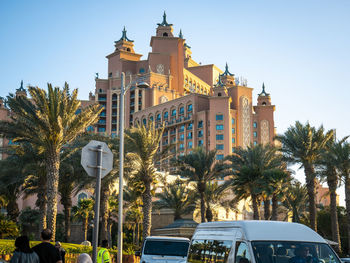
<point x="310" y="185"/>
<point x="109" y="232"/>
<point x="43" y="211"/>
<point x="256" y="212"/>
<point x="67" y="214"/>
<point x="274" y="207"/>
<point x="85" y="226"/>
<point x="347" y="203"/>
<point x="267" y="212"/>
<point x="209" y="213"/>
<point x="201" y="190"/>
<point x="147" y="210"/>
<point x="104" y="215"/>
<point x="12" y="208"/>
<point x="52" y="167"/>
<point x="332" y="185"/>
<point x="137" y="234"/>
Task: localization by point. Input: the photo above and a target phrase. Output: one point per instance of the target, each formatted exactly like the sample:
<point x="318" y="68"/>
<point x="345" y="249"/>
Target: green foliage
<point x="8" y="228"/>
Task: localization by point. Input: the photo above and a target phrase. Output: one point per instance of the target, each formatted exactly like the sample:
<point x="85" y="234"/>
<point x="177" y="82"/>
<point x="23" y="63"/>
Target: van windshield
<point x="166" y="248"/>
<point x="292" y="252"/>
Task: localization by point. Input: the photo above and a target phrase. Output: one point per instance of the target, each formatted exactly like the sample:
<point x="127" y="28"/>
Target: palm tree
<point x="200" y="167"/>
<point x="48" y="120"/>
<point x="3" y="201"/>
<point x="303" y="144"/>
<point x="214" y="196"/>
<point x="295" y="201"/>
<point x="142" y="145"/>
<point x="84" y="210"/>
<point x="176" y="196"/>
<point x="250" y="167"/>
<point x="328" y="169"/>
<point x="340" y="154"/>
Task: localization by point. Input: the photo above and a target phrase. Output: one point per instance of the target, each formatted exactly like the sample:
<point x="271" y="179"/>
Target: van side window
<point x="209" y="251"/>
<point x="242" y="254"/>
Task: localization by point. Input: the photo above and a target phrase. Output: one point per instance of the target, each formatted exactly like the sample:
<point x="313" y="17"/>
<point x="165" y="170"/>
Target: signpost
<point x="97" y="160"/>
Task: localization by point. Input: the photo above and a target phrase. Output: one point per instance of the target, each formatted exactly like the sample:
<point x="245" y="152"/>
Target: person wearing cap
<point x="103" y="254"/>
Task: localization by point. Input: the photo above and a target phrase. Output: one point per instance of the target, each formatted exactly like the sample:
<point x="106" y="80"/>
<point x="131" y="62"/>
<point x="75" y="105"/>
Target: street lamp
<point x="123" y="90"/>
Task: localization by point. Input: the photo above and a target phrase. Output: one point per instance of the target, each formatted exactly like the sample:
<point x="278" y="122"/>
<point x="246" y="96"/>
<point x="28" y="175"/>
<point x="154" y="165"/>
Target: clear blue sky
<point x="300" y="49"/>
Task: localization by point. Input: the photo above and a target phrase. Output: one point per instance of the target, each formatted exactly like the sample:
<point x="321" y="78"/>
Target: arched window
<point x="165" y="34"/>
<point x="141" y="70"/>
<point x="158" y="118"/>
<point x="165" y="115"/>
<point x="144" y="121"/>
<point x="219" y="94"/>
<point x="182" y="110"/>
<point x="82" y="196"/>
<point x="173" y="113"/>
<point x="128" y="49"/>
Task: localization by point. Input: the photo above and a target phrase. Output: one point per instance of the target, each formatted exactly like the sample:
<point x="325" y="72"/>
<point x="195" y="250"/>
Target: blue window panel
<point x="219" y="147"/>
<point x="182" y="128"/>
<point x="200" y="133"/>
<point x="158" y="117"/>
<point x="166" y="115"/>
<point x="233" y="130"/>
<point x="255" y="143"/>
<point x="189" y="108"/>
<point x="200" y="143"/>
<point x="219" y="137"/>
<point x="233" y="149"/>
<point x="90" y="128"/>
<point x="255" y="124"/>
<point x="182" y="146"/>
<point x="182" y="110"/>
<point x="233" y="140"/>
<point x="200" y="124"/>
<point x="219" y="127"/>
<point x="255" y="134"/>
<point x="219" y="156"/>
<point x="182" y="137"/>
<point x="190" y="126"/>
<point x="233" y="121"/>
<point x="190" y="144"/>
<point x="141" y="70"/>
<point x="219" y="117"/>
<point x="189" y="135"/>
<point x="78" y="111"/>
<point x="151" y="118"/>
<point x="173" y="112"/>
<point x="101" y="129"/>
<point x="144" y="121"/>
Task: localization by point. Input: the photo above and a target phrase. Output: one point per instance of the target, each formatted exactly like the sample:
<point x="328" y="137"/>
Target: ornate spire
<point x="21" y="88"/>
<point x="124" y="37"/>
<point x="263" y="93"/>
<point x="180" y="34"/>
<point x="164" y="23"/>
<point x="227" y="73"/>
<point x="219" y="83"/>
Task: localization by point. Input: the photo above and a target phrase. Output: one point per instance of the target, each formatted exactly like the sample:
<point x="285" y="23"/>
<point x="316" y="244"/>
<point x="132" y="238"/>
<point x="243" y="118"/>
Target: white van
<point x="258" y="242"/>
<point x="161" y="249"/>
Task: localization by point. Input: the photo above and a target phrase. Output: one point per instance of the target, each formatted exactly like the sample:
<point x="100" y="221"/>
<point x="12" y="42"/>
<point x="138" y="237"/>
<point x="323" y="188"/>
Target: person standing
<point x="47" y="252"/>
<point x="23" y="252"/>
<point x="103" y="254"/>
<point x="61" y="250"/>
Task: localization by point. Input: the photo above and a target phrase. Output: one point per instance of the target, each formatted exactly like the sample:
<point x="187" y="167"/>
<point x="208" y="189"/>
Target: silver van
<point x="258" y="242"/>
<point x="161" y="249"/>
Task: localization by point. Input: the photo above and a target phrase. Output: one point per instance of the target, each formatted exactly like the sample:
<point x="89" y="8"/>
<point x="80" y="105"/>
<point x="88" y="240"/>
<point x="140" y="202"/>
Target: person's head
<point x="22" y="244"/>
<point x="46" y="234"/>
<point x="84" y="258"/>
<point x="104" y="243"/>
<point x="58" y="244"/>
<point x="302" y="251"/>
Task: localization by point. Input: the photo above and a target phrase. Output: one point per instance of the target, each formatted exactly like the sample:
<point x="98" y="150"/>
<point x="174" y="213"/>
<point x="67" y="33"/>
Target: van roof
<point x="167" y="238"/>
<point x="254" y="230"/>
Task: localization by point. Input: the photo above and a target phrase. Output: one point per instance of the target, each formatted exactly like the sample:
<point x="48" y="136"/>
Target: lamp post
<point x="123" y="90"/>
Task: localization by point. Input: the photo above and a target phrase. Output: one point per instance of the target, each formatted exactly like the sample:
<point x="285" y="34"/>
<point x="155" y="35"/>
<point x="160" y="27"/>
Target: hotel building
<point x="199" y="105"/>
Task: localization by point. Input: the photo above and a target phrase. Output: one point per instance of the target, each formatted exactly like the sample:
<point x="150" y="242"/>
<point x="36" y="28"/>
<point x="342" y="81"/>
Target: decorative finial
<point x="263" y="93"/>
<point x="96" y="77"/>
<point x="227" y="72"/>
<point x="219" y="83"/>
<point x="180" y="34"/>
<point x="21" y="88"/>
<point x="124" y="37"/>
<point x="164" y="22"/>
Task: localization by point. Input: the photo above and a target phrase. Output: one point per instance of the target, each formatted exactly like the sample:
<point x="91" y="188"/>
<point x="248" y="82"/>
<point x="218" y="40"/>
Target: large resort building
<point x="199" y="105"/>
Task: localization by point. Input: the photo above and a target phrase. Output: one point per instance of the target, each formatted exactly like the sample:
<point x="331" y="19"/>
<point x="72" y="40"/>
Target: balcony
<point x="114" y="106"/>
<point x="173" y="132"/>
<point x="102" y="99"/>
